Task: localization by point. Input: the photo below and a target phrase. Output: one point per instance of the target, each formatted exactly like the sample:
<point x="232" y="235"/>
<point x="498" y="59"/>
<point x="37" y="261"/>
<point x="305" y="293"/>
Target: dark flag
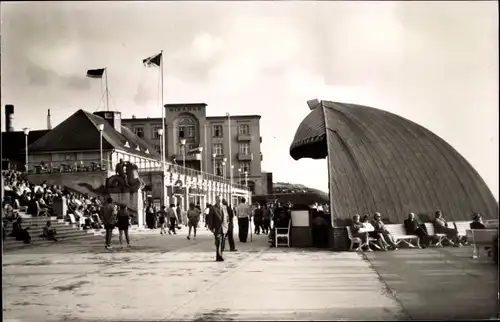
<point x="153" y="61"/>
<point x="95" y="73"/>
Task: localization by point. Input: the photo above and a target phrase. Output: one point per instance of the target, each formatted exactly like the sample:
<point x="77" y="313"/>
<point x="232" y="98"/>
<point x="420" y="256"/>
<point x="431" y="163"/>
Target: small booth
<point x="301" y="232"/>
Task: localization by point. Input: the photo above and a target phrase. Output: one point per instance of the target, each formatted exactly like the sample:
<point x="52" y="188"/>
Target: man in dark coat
<point x="413" y="227"/>
<point x="216" y="226"/>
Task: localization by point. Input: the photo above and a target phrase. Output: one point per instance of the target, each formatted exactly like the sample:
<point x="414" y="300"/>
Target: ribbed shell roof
<point x="383" y="162"/>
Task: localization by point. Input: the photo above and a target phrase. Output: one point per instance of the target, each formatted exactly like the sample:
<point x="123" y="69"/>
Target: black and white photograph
<point x="249" y="160"/>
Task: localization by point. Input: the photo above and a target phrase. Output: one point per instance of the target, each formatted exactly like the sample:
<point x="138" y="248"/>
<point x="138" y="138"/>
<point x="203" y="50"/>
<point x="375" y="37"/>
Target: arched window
<point x="186" y="127"/>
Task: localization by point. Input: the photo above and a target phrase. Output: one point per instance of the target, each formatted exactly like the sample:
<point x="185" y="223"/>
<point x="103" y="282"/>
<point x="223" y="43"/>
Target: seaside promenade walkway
<point x="172" y="278"/>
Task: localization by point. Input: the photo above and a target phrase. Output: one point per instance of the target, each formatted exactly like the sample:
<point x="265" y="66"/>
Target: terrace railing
<point x="95" y="166"/>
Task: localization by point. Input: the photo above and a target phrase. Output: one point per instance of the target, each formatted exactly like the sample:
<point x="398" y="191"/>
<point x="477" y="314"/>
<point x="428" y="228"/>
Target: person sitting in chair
<point x="413" y="227"/>
<point x="441" y="227"/>
<point x="384" y="238"/>
<point x="357" y="229"/>
<point x="477" y="223"/>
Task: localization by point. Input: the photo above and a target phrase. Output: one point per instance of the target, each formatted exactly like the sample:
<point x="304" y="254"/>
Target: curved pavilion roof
<point x="379" y="161"/>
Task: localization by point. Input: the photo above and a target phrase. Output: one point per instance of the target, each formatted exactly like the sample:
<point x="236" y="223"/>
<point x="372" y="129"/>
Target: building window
<point x="217" y="131"/>
<point x="158" y="148"/>
<point x="245" y="167"/>
<point x="139" y="131"/>
<point x="218" y="168"/>
<point x="218" y="148"/>
<point x="244" y="148"/>
<point x="155" y="132"/>
<point x="186" y="128"/>
<point x="243" y="129"/>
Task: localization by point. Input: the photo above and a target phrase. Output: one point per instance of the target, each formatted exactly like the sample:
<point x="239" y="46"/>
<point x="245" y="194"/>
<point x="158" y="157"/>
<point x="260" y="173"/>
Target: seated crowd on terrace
<point x="38" y="200"/>
<point x="371" y="233"/>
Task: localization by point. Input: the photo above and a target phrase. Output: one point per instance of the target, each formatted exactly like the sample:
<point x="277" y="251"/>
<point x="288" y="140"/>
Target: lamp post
<point x="183" y="148"/>
<point x="201" y="160"/>
<point x="26" y="133"/>
<point x="160" y="135"/>
<point x="246" y="179"/>
<point x="239" y="176"/>
<point x="213" y="161"/>
<point x="100" y="127"/>
<point x="224" y="170"/>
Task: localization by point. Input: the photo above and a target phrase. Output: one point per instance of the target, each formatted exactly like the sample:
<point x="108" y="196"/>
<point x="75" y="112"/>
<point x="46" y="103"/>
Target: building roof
<point x="185" y="104"/>
<point x="379" y="161"/>
<point x="79" y="132"/>
<point x="13" y="143"/>
<point x="208" y="118"/>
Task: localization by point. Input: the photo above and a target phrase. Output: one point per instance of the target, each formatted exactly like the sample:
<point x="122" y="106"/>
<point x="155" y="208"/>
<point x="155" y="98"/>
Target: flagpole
<point x="107" y="91"/>
<point x="163" y="154"/>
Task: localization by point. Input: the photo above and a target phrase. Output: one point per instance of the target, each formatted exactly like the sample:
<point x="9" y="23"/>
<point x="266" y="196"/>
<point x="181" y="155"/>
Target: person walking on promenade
<point x="230" y="225"/>
<point x="172" y="219"/>
<point x="123" y="224"/>
<point x="193" y="215"/>
<point x="257" y="219"/>
<point x="162" y="216"/>
<point x="178" y="213"/>
<point x="205" y="214"/>
<point x="243" y="212"/>
<point x="216" y="225"/>
<point x="108" y="217"/>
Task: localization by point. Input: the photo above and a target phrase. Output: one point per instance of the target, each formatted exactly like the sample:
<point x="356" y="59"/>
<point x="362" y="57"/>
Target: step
<point x="37" y="242"/>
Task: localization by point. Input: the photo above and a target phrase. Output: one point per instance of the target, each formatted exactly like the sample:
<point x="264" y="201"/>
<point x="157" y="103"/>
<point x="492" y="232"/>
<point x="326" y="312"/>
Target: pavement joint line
<point x="388" y="289"/>
<point x="113" y="266"/>
<point x="213" y="284"/>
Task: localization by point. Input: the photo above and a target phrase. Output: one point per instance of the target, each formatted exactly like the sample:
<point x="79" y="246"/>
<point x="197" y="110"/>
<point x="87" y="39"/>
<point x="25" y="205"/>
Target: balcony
<point x="245" y="157"/>
<point x="244" y="137"/>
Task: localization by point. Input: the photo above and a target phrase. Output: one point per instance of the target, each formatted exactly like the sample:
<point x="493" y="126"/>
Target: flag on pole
<point x="153" y="61"/>
<point x="95" y="73"/>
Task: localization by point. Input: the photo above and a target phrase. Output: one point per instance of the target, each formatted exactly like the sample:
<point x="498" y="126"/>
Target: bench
<point x="491" y="223"/>
<point x="479" y="237"/>
<point x="461" y="227"/>
<point x="431" y="231"/>
<point x="398" y="231"/>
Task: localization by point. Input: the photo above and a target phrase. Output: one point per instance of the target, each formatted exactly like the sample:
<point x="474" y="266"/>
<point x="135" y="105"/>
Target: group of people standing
<point x="113" y="216"/>
<point x="172" y="217"/>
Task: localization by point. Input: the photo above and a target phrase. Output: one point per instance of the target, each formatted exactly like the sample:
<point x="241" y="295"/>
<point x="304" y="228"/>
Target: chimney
<point x="133" y="116"/>
<point x="9" y="118"/>
<point x="113" y="118"/>
<point x="49" y="124"/>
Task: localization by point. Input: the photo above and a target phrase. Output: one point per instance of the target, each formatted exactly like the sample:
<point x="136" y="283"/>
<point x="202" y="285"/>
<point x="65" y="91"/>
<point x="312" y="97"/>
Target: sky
<point x="435" y="63"/>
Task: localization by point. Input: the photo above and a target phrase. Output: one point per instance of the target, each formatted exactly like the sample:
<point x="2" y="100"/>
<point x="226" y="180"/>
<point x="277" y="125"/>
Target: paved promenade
<point x="172" y="278"/>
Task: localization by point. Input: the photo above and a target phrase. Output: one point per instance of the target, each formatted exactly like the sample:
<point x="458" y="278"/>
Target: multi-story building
<point x="225" y="142"/>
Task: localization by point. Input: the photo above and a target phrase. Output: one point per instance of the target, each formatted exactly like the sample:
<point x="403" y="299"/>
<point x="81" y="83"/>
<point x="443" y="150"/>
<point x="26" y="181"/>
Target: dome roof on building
<point x="379" y="161"/>
<point x="80" y="132"/>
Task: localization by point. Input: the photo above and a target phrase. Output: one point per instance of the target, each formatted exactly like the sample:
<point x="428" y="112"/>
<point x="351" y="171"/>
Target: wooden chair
<point x="353" y="240"/>
<point x="398" y="231"/>
<point x="283" y="233"/>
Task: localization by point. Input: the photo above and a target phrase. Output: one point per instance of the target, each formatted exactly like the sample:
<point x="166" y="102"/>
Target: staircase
<point x="65" y="231"/>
